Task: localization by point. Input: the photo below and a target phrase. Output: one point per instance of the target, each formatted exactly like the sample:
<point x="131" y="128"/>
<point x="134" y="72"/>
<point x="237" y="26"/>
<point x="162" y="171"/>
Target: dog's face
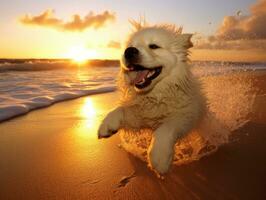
<point x="150" y="56"/>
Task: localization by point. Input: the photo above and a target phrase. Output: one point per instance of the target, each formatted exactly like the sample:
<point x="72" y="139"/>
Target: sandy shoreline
<point x="53" y="153"/>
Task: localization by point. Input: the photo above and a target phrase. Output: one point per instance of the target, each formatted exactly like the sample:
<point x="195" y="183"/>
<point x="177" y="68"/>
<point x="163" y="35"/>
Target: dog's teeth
<point x="151" y="73"/>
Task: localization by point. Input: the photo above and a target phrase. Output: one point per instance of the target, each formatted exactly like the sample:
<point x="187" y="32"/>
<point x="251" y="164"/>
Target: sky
<point x="223" y="30"/>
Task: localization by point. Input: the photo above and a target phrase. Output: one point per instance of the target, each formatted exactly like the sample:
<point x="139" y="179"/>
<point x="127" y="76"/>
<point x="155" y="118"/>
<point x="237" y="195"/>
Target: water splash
<point x="231" y="99"/>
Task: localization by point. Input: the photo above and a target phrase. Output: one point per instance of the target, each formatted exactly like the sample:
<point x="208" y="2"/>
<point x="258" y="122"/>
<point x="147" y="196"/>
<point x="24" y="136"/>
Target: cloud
<point x="77" y="23"/>
<point x="239" y="32"/>
<point x="114" y="44"/>
<point x="246" y="27"/>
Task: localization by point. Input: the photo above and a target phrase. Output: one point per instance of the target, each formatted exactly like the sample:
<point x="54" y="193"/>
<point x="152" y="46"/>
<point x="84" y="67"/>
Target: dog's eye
<point x="153" y="46"/>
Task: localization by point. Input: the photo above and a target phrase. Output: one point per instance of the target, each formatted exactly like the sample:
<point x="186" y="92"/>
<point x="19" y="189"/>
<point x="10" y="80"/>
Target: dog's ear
<point x="183" y="43"/>
<point x="185" y="40"/>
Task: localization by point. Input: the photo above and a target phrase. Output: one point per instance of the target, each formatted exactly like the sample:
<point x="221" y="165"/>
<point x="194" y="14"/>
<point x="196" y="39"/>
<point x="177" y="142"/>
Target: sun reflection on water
<point x="83" y="145"/>
<point x="88" y="111"/>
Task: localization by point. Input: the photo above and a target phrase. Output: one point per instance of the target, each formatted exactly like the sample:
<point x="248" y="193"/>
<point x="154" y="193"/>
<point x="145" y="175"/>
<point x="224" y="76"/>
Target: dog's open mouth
<point x="144" y="76"/>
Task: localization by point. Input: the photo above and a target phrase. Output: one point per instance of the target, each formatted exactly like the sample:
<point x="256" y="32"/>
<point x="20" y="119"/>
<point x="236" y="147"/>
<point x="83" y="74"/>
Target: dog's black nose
<point x="131" y="53"/>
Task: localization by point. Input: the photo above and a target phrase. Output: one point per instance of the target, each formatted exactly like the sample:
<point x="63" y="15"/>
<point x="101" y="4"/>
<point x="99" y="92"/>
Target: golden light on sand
<point x="86" y="127"/>
<point x="88" y="109"/>
<point x="80" y="54"/>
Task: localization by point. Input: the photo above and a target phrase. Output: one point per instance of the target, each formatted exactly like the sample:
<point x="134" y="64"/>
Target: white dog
<point x="158" y="91"/>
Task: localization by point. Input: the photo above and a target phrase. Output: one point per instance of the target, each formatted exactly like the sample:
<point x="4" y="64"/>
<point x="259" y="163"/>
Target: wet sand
<point x="54" y="153"/>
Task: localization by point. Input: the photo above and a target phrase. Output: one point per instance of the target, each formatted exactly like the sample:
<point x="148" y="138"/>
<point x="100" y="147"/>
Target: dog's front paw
<point x="106" y="130"/>
<point x="160" y="160"/>
<point x="110" y="125"/>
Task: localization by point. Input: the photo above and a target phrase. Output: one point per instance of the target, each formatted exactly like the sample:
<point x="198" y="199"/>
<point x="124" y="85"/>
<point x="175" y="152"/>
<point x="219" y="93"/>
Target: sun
<point x="81" y="54"/>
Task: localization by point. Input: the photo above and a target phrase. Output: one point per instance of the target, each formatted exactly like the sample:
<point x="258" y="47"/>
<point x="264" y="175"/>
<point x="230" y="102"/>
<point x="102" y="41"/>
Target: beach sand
<point x="54" y="153"/>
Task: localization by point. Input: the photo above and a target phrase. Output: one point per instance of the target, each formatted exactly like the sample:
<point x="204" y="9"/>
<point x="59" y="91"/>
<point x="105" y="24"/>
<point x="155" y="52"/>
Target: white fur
<point x="171" y="105"/>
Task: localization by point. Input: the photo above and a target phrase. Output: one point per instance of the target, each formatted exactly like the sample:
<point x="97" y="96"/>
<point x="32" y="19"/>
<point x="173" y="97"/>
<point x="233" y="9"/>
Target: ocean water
<point x="229" y="88"/>
<point x="30" y="85"/>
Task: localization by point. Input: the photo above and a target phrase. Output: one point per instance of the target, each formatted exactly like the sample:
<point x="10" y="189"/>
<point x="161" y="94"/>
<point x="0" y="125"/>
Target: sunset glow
<point x="80" y="54"/>
<point x="99" y="30"/>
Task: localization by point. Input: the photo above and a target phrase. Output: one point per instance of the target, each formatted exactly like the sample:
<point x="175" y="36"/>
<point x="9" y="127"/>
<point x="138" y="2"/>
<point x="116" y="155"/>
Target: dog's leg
<point x="161" y="150"/>
<point x="111" y="123"/>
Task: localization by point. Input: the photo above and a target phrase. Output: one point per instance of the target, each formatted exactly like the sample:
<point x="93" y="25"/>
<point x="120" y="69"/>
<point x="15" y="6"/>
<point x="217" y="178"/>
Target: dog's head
<point x="151" y="54"/>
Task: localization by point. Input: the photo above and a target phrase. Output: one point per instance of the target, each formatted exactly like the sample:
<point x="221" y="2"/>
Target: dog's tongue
<point x="140" y="75"/>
